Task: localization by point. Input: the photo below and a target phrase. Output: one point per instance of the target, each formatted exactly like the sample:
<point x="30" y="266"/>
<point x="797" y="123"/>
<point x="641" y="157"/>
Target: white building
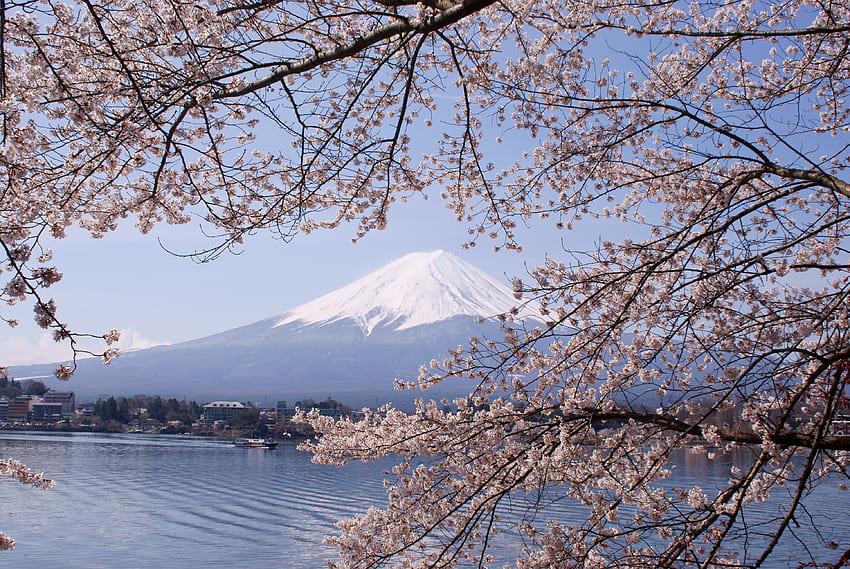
<point x="221" y="411"/>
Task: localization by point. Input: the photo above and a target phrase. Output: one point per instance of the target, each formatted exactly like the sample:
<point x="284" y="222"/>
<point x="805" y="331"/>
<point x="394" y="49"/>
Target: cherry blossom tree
<point x="711" y="135"/>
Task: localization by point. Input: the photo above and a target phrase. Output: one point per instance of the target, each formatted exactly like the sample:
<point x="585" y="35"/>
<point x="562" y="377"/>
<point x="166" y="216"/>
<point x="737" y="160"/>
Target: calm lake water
<point x="163" y="502"/>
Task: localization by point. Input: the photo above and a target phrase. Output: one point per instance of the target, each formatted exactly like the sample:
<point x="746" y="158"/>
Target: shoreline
<point x="223" y="434"/>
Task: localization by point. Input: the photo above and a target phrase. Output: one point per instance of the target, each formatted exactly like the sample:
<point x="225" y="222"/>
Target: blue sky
<point x="127" y="281"/>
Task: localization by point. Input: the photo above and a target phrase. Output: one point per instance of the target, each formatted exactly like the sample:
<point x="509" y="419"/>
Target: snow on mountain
<point x="350" y="343"/>
<point x="417" y="289"/>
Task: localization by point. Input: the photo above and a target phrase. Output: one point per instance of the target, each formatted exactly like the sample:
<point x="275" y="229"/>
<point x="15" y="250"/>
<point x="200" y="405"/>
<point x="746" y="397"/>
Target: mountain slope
<point x="349" y="344"/>
<point x="419" y="288"/>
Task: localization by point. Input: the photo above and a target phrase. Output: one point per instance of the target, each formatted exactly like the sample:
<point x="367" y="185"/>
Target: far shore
<point x="297" y="432"/>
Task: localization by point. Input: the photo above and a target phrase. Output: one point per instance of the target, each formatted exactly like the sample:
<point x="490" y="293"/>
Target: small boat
<point x="254" y="443"/>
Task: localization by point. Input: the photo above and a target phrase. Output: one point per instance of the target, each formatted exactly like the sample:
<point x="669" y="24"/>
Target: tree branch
<point x="818" y="177"/>
<point x="787" y="439"/>
<point x="401" y="26"/>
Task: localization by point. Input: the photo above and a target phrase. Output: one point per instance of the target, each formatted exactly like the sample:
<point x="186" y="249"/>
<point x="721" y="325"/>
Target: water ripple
<point x="124" y="500"/>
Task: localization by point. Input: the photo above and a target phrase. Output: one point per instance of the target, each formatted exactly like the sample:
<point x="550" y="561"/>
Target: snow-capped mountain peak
<point x="350" y="343"/>
<point x="419" y="288"/>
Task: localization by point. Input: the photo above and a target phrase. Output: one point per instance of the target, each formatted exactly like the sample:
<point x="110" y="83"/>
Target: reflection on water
<point x="168" y="502"/>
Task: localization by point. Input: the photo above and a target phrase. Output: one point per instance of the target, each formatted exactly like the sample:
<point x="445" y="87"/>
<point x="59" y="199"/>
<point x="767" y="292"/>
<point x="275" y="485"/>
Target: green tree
<point x="156" y="408"/>
<point x="9" y="387"/>
<point x="245" y="418"/>
<point x="36" y="388"/>
<point x="113" y="409"/>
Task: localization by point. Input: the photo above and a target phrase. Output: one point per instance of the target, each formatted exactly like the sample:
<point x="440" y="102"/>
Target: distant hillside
<point x="349" y="344"/>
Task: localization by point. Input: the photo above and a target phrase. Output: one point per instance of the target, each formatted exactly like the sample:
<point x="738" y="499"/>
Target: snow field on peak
<point x="419" y="288"/>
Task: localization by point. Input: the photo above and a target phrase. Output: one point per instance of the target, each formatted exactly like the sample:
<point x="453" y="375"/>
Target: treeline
<point x="125" y="409"/>
<point x="326" y="404"/>
<point x="12" y="388"/>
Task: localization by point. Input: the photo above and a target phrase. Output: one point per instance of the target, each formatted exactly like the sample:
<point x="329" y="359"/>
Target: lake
<point x="168" y="502"/>
<point x="165" y="502"/>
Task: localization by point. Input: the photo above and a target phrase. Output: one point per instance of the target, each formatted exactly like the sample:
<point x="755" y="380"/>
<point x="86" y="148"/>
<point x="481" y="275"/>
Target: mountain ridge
<point x="353" y="341"/>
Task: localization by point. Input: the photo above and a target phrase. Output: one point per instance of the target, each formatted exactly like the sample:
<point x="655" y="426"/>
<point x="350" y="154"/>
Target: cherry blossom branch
<point x="400" y="27"/>
<point x="17" y="471"/>
<point x="735" y="35"/>
<point x="818" y="177"/>
<point x="783" y="439"/>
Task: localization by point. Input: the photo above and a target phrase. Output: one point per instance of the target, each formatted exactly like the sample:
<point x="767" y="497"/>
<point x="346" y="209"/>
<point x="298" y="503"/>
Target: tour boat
<point x="254" y="443"/>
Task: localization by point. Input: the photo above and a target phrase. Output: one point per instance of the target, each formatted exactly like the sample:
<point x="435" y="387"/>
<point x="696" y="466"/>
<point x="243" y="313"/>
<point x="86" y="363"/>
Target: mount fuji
<point x="348" y="344"/>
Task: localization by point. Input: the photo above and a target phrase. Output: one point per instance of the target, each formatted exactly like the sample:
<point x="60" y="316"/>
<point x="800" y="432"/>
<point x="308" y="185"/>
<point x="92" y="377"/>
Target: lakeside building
<point x="280" y="409"/>
<point x="51" y="408"/>
<point x="220" y="411"/>
<point x="42" y="411"/>
<point x="66" y="399"/>
<point x="19" y="409"/>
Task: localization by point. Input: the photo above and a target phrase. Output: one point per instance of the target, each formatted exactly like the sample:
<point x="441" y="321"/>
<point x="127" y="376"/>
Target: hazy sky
<point x="127" y="281"/>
